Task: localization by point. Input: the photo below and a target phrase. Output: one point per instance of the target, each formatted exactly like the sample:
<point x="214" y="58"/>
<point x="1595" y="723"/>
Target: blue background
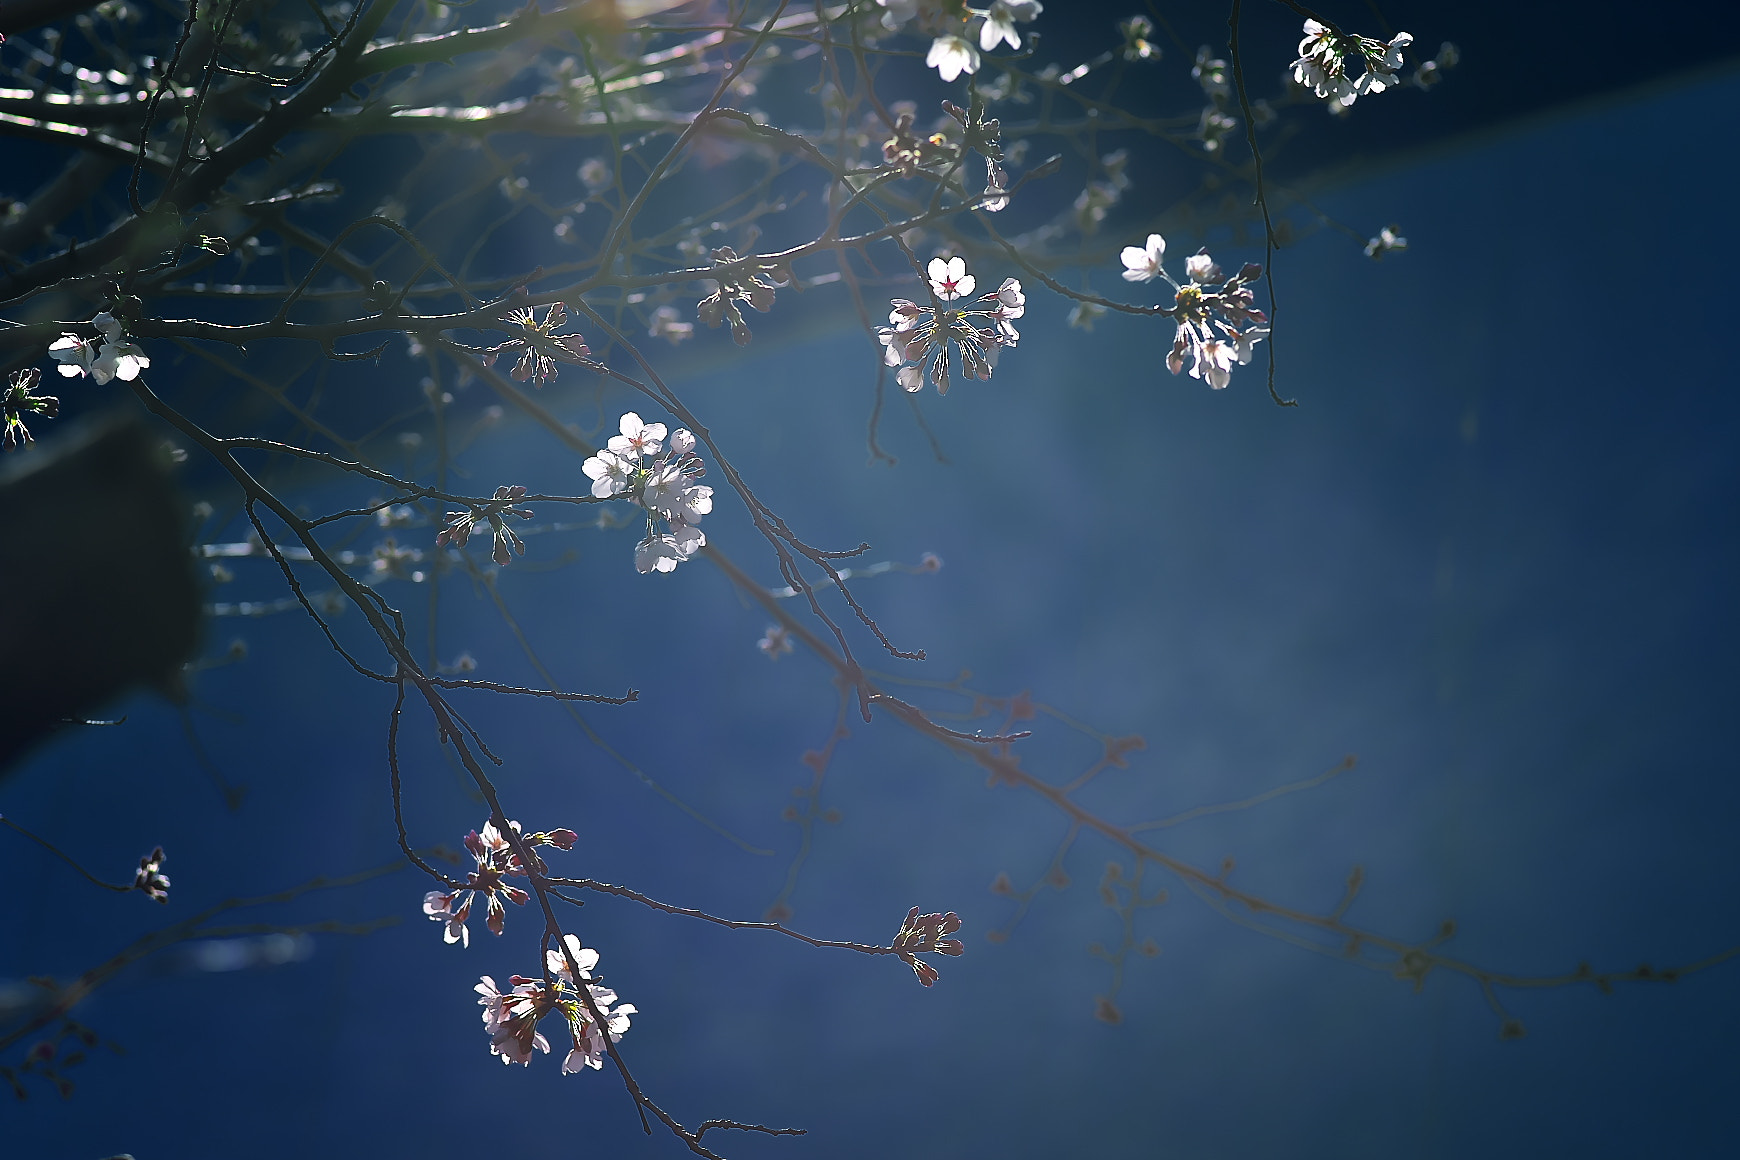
<point x="1488" y="554"/>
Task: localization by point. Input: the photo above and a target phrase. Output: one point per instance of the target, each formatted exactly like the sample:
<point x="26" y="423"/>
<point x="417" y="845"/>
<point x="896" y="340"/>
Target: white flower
<point x="1142" y="264"/>
<point x="695" y="502"/>
<point x="637" y="438"/>
<point x="1201" y="268"/>
<point x="951" y="56"/>
<point x="662" y="553"/>
<point x="1000" y="23"/>
<point x="1245" y="342"/>
<point x="664" y="486"/>
<point x="682" y="441"/>
<point x="609" y="472"/>
<point x="76" y="355"/>
<point x="584" y="957"/>
<point x="1214" y="360"/>
<point x="1013" y="303"/>
<point x="117" y="358"/>
<point x="949" y="279"/>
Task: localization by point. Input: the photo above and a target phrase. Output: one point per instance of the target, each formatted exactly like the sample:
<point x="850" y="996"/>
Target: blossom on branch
<point x="541" y="347"/>
<point x="511" y="1017"/>
<point x="496" y="861"/>
<point x="115" y="357"/>
<point x="638" y="465"/>
<point x="1218" y="323"/>
<point x="149" y="879"/>
<point x="927" y="934"/>
<point x="920" y="335"/>
<point x="1324" y="56"/>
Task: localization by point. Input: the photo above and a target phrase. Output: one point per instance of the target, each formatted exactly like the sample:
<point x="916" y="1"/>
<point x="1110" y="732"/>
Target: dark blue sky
<point x="1488" y="553"/>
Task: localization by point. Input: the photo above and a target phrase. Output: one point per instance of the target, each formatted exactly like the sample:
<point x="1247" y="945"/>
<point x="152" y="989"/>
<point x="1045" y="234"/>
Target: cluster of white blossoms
<point x="1324" y="57"/>
<point x="496" y="861"/>
<point x="920" y="334"/>
<point x="954" y="26"/>
<point x="115" y="357"/>
<point x="639" y="466"/>
<point x="1218" y="322"/>
<point x="511" y="1017"/>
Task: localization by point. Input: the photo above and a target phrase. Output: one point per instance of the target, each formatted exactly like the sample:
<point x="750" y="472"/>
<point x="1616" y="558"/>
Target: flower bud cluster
<point x="496" y="861"/>
<point x="1218" y="320"/>
<point x="926" y="934"/>
<point x="17" y="401"/>
<point x="638" y="466"/>
<point x="511" y="1017"/>
<point x="149" y="879"/>
<point x="757" y="289"/>
<point x="540" y="347"/>
<point x="1324" y="56"/>
<point x="460" y="525"/>
<point x="114" y="357"/>
<point x="920" y="335"/>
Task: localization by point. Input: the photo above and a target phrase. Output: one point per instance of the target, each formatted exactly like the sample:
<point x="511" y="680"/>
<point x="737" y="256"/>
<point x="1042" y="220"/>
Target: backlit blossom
<point x="1324" y="57"/>
<point x="511" y="1017"/>
<point x="1387" y="241"/>
<point x="150" y="879"/>
<point x="1218" y="323"/>
<point x="658" y="474"/>
<point x="1142" y="263"/>
<point x="949" y="279"/>
<point x="1000" y="21"/>
<point x="496" y="861"/>
<point x="637" y="438"/>
<point x="116" y="357"/>
<point x="918" y="339"/>
<point x="775" y="642"/>
<point x="951" y="56"/>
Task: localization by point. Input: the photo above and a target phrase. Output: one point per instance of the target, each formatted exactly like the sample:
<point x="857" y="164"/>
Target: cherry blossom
<point x="115" y="358"/>
<point x="496" y="861"/>
<point x="1000" y="21"/>
<point x="951" y="56"/>
<point x="511" y="1017"/>
<point x="918" y="338"/>
<point x="658" y="474"/>
<point x="949" y="279"/>
<point x="1218" y="323"/>
<point x="1142" y="263"/>
<point x="1324" y="57"/>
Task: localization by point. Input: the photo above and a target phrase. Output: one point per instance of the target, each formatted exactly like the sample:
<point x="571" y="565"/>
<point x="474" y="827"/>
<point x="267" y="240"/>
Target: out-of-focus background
<point x="1490" y="552"/>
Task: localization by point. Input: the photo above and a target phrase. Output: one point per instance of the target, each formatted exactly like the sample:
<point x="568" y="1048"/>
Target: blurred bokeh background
<point x="1491" y="553"/>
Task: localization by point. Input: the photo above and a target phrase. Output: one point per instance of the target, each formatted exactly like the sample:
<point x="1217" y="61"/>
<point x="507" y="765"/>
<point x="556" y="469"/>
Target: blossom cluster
<point x="954" y="25"/>
<point x="540" y="345"/>
<point x="1218" y="322"/>
<point x="920" y="335"/>
<point x="113" y="357"/>
<point x="511" y="1017"/>
<point x="923" y="934"/>
<point x="638" y="465"/>
<point x="149" y="879"/>
<point x="1324" y="56"/>
<point x="496" y="861"/>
